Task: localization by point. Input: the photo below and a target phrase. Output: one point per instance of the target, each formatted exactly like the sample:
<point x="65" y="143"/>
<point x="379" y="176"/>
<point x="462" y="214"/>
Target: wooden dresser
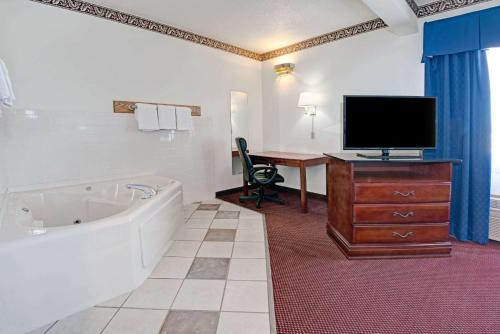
<point x="389" y="208"/>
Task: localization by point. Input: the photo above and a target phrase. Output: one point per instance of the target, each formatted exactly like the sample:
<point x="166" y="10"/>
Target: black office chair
<point x="260" y="176"/>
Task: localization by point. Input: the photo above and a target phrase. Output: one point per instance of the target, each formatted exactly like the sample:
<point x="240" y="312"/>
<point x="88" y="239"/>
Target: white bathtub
<point x="53" y="269"/>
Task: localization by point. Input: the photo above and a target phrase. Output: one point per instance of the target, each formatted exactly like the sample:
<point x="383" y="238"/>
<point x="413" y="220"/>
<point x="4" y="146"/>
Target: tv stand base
<point x="386" y="156"/>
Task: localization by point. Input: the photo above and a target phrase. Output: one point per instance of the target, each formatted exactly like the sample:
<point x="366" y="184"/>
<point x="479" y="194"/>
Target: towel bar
<point x="128" y="107"/>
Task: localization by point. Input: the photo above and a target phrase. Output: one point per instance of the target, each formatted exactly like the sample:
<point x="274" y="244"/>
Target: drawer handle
<point x="402" y="236"/>
<point x="403" y="214"/>
<point x="405" y="194"/>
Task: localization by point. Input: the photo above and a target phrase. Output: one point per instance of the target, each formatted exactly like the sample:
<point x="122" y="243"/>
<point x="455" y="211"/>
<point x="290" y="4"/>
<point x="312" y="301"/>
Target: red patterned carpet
<point x="317" y="290"/>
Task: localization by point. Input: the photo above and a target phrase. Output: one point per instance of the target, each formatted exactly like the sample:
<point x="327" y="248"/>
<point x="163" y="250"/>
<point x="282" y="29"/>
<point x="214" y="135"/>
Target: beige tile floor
<point x="214" y="279"/>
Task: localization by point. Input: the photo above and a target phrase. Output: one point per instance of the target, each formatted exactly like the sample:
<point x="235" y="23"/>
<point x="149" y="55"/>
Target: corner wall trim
<point x="327" y="38"/>
<point x="413" y="6"/>
<point x="139" y="22"/>
<point x="444" y="6"/>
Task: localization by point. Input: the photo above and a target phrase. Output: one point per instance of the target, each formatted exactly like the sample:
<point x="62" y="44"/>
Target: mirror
<point x="239" y="126"/>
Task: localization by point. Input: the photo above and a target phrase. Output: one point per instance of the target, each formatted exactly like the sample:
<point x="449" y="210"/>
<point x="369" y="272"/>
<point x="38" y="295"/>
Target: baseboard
<point x="279" y="188"/>
<point x="231" y="191"/>
<point x="297" y="191"/>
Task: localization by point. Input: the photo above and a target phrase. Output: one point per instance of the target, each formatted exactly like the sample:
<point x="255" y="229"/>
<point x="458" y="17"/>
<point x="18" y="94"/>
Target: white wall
<point x="378" y="62"/>
<point x="67" y="68"/>
<point x="373" y="63"/>
<point x="3" y="158"/>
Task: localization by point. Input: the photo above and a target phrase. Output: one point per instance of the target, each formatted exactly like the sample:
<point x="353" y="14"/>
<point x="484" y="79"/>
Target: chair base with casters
<point x="260" y="196"/>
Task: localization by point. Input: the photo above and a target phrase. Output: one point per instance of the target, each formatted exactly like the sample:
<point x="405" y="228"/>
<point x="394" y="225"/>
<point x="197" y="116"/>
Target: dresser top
<point x="352" y="157"/>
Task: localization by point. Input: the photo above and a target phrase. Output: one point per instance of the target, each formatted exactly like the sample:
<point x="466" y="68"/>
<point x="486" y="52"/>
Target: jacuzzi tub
<point x="65" y="249"/>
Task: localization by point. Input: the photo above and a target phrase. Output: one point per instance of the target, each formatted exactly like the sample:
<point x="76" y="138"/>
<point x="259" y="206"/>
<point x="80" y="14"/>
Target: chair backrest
<point x="246" y="162"/>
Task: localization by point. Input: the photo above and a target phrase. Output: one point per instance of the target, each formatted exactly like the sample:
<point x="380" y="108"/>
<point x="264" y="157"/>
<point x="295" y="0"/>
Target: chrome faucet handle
<point x="147" y="191"/>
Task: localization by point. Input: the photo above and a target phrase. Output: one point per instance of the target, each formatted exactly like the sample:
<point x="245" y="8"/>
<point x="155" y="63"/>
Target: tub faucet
<point x="148" y="191"/>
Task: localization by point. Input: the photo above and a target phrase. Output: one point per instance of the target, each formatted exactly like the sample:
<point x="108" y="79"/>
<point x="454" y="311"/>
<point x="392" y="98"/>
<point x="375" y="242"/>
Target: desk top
<point x="287" y="155"/>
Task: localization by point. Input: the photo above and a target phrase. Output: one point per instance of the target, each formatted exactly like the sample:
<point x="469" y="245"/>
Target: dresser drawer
<point x="401" y="213"/>
<point x="401" y="192"/>
<point x="401" y="233"/>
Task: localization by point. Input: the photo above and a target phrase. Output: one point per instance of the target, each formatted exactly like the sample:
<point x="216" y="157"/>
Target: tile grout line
<point x="227" y="274"/>
<point x="225" y="283"/>
<point x="272" y="315"/>
<point x="185" y="277"/>
<point x="192" y="263"/>
<point x="111" y="319"/>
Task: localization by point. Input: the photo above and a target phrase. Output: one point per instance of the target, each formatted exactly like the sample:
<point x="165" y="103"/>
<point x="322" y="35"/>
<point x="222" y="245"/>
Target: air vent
<point x="495" y="202"/>
<point x="495" y="218"/>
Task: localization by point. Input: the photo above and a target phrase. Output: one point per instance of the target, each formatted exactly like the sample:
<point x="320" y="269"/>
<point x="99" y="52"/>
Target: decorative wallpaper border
<point x="326" y="38"/>
<point x="413" y="6"/>
<point x="445" y="5"/>
<point x="139" y="22"/>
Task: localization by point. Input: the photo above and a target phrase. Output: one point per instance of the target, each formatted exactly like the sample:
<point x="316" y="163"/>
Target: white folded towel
<point x="184" y="119"/>
<point x="147" y="117"/>
<point x="6" y="93"/>
<point x="166" y="116"/>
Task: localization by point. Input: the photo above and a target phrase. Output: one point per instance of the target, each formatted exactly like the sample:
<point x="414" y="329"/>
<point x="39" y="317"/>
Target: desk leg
<point x="326" y="182"/>
<point x="303" y="188"/>
<point x="245" y="187"/>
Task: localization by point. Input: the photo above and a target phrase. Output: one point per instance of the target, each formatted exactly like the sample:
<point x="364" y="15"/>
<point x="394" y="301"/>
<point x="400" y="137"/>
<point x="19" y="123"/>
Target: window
<point x="494" y="67"/>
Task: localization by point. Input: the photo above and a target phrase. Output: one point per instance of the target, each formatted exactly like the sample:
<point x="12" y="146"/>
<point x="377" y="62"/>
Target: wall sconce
<point x="282" y="69"/>
<point x="307" y="101"/>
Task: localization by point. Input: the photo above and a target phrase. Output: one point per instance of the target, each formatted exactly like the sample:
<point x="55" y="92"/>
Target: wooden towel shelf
<point x="126" y="107"/>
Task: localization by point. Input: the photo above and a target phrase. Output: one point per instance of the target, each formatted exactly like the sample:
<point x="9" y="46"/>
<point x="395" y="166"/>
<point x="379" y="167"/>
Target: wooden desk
<point x="300" y="160"/>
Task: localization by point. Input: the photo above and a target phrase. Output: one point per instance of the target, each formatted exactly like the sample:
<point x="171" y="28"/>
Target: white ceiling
<point x="257" y="25"/>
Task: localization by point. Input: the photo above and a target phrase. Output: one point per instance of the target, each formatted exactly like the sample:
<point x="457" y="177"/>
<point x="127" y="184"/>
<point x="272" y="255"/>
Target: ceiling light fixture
<point x="283" y="69"/>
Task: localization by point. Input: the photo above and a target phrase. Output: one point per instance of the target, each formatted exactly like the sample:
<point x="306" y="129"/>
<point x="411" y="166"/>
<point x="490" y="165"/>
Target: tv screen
<point x="389" y="122"/>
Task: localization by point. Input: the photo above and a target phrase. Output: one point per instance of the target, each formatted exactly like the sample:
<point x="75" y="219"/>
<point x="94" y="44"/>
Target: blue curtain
<point x="461" y="84"/>
<point x="469" y="32"/>
<point x="456" y="72"/>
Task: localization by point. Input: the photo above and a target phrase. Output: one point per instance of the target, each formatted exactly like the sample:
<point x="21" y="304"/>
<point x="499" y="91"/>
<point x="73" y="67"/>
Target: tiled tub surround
<point x="120" y="240"/>
<point x="214" y="279"/>
<point x="73" y="134"/>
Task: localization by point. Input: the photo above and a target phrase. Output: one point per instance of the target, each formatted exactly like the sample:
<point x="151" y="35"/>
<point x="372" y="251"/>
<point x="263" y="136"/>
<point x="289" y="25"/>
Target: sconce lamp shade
<point x="306" y="99"/>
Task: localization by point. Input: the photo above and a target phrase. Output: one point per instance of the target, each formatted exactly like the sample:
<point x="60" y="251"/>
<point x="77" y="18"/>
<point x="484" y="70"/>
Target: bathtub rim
<point x="78" y="182"/>
<point x="138" y="208"/>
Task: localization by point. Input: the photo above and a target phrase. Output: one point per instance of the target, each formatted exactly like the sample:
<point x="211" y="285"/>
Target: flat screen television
<point x="389" y="122"/>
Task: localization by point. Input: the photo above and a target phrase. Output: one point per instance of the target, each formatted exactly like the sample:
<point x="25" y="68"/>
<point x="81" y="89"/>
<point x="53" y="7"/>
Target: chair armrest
<point x="257" y="168"/>
<point x="267" y="169"/>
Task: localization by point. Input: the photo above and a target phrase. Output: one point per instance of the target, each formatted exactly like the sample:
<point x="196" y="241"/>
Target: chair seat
<point x="262" y="176"/>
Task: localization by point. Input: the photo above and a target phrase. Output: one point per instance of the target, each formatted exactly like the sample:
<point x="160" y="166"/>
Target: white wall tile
<point x="69" y="86"/>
